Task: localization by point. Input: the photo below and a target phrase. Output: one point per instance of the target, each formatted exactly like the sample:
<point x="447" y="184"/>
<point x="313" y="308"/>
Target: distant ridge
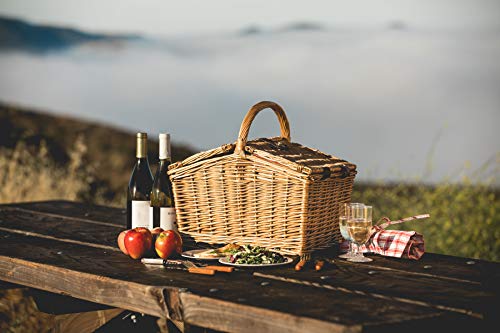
<point x="303" y="26"/>
<point x="292" y="27"/>
<point x="20" y="35"/>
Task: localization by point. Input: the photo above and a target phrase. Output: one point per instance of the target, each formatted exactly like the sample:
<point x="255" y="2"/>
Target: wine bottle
<point x="139" y="187"/>
<point x="162" y="212"/>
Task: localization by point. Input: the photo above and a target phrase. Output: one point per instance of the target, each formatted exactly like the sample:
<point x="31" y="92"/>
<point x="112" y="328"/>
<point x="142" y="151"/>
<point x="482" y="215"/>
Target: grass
<point x="464" y="217"/>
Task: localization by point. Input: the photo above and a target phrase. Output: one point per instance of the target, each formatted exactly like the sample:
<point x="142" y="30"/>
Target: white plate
<point x="226" y="261"/>
<point x="190" y="254"/>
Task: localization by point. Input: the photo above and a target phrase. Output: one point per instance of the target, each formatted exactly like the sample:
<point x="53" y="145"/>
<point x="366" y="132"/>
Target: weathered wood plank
<point x="84" y="231"/>
<point x="217" y="314"/>
<point x="116" y="280"/>
<point x="441" y="266"/>
<point x="433" y="265"/>
<point x="466" y="298"/>
<point x="58" y="228"/>
<point x="61" y="208"/>
<point x="90" y="287"/>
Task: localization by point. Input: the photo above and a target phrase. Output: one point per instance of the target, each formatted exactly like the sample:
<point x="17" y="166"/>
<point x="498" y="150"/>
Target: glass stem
<point x="360" y="254"/>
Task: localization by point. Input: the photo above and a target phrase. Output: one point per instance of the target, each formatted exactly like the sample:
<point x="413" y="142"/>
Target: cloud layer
<point x="381" y="99"/>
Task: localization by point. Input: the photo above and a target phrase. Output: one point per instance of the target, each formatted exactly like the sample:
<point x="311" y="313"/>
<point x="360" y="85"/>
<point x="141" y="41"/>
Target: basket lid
<point x="298" y="157"/>
<point x="278" y="150"/>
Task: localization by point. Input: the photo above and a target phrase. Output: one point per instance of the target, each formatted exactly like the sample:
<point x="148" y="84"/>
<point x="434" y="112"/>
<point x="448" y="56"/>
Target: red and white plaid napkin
<point x="394" y="243"/>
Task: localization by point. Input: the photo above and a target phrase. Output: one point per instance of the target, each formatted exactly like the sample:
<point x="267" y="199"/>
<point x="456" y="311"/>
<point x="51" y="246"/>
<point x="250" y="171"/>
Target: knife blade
<point x="160" y="261"/>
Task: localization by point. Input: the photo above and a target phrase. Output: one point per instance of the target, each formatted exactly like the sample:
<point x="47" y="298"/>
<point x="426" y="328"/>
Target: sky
<point x="160" y="17"/>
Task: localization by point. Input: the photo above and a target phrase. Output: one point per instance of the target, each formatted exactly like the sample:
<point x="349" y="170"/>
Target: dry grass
<point x="30" y="175"/>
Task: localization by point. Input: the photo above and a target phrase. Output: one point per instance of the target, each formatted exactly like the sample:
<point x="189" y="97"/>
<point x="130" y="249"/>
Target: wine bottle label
<point x="140" y="214"/>
<point x="168" y="218"/>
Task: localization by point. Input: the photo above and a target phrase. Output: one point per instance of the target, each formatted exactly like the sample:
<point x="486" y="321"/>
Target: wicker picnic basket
<point x="269" y="192"/>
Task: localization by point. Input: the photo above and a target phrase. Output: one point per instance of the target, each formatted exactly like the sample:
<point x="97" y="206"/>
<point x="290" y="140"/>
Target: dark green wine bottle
<point x="162" y="213"/>
<point x="139" y="187"/>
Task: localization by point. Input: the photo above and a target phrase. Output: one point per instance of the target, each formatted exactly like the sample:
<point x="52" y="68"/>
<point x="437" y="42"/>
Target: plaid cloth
<point x="394" y="243"/>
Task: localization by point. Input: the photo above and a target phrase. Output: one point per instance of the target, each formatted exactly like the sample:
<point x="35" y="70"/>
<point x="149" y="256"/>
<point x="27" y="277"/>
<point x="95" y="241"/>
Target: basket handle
<point x="247" y="121"/>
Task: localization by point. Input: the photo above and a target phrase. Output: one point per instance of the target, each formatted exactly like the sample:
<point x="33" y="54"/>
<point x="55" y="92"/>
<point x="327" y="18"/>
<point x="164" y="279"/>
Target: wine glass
<point x="359" y="226"/>
<point x="345" y="212"/>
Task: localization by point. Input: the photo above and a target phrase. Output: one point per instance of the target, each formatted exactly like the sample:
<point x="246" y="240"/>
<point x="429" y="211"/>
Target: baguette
<point x="216" y="253"/>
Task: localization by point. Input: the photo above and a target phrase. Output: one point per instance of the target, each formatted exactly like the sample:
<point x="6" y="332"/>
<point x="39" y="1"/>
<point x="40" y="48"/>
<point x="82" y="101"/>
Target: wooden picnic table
<point x="69" y="248"/>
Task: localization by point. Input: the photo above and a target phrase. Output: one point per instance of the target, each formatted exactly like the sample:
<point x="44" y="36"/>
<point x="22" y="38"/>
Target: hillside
<point x="19" y="35"/>
<point x="110" y="151"/>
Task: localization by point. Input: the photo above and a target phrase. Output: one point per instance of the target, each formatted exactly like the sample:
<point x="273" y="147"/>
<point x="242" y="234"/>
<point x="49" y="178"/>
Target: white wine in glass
<point x="359" y="230"/>
<point x="345" y="212"/>
<point x="359" y="227"/>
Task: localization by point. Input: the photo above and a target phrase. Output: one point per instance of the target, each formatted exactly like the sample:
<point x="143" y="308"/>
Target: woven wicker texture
<point x="267" y="192"/>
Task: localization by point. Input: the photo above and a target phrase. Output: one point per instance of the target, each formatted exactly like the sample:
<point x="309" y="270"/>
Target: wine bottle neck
<point x="164" y="141"/>
<point x="142" y="146"/>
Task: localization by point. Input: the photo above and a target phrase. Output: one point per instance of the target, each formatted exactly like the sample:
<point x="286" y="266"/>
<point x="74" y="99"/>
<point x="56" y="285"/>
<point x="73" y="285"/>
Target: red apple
<point x="167" y="242"/>
<point x="155" y="233"/>
<point x="121" y="241"/>
<point x="138" y="242"/>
